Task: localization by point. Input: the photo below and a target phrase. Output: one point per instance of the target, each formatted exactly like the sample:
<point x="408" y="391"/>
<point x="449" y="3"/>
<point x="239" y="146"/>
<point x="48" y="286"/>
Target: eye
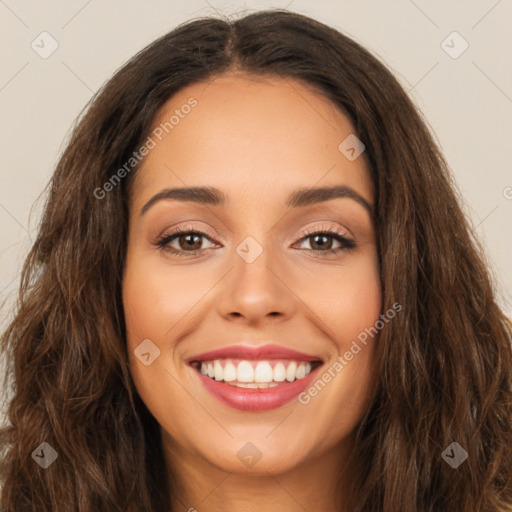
<point x="322" y="240"/>
<point x="184" y="242"/>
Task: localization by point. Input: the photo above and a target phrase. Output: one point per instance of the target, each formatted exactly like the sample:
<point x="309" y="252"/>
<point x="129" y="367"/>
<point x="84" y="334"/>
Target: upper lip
<point x="251" y="352"/>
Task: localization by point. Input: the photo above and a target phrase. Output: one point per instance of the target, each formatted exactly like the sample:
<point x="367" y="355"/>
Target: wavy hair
<point x="445" y="363"/>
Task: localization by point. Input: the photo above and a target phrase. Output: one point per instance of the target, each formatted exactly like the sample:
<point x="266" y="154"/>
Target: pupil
<point x="322" y="245"/>
<point x="189" y="240"/>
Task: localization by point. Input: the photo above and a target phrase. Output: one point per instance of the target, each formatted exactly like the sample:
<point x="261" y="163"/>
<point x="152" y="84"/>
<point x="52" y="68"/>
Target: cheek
<point x="348" y="305"/>
<point x="154" y="304"/>
<point x="156" y="298"/>
<point x="346" y="298"/>
<point x="163" y="305"/>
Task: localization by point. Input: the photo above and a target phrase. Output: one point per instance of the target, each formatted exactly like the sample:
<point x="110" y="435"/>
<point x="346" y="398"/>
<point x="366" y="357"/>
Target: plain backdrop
<point x="453" y="58"/>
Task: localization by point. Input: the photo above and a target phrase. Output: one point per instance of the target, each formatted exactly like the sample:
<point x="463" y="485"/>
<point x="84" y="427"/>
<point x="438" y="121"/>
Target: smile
<point x="255" y="379"/>
<point x="255" y="374"/>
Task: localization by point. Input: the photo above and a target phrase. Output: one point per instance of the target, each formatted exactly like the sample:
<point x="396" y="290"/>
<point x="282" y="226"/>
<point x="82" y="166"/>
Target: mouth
<point x="255" y="379"/>
<point x="255" y="374"/>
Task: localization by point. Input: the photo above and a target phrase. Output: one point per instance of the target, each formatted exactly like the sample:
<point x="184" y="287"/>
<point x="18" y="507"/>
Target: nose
<point x="257" y="292"/>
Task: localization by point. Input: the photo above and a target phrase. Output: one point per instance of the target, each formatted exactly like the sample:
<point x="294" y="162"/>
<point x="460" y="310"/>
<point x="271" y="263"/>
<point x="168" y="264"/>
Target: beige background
<point x="466" y="100"/>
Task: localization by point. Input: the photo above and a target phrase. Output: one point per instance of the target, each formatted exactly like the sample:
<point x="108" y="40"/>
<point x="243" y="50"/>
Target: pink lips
<point x="250" y="353"/>
<point x="248" y="399"/>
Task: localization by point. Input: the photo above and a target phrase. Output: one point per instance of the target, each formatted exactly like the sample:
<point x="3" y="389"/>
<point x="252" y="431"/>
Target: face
<point x="236" y="320"/>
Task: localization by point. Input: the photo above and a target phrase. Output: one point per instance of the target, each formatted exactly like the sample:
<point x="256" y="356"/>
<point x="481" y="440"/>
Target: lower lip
<point x="248" y="399"/>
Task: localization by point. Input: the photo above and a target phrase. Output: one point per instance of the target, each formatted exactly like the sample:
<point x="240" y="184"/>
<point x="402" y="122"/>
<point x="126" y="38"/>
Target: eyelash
<point x="346" y="243"/>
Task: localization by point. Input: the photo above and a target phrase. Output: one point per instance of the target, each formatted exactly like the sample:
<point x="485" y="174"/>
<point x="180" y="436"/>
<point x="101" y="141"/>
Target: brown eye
<point x="190" y="241"/>
<point x="325" y="241"/>
<point x="181" y="242"/>
<point x="320" y="242"/>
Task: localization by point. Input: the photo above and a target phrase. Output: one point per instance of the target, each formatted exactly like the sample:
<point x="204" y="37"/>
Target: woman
<point x="254" y="288"/>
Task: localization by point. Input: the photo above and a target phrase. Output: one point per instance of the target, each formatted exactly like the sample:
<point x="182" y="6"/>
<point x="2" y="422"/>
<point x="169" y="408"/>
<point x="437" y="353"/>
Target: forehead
<point x="250" y="134"/>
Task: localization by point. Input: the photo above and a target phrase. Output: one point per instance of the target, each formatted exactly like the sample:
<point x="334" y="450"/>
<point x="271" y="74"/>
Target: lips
<point x="254" y="353"/>
<point x="255" y="378"/>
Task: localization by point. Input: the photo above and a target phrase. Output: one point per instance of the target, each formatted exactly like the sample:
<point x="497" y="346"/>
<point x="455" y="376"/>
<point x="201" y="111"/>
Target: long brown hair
<point x="445" y="362"/>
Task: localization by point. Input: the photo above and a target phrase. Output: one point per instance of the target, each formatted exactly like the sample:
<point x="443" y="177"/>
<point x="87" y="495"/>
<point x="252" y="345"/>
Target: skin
<point x="256" y="139"/>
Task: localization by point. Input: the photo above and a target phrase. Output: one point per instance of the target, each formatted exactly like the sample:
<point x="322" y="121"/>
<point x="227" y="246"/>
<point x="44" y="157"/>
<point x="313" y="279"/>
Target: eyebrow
<point x="298" y="198"/>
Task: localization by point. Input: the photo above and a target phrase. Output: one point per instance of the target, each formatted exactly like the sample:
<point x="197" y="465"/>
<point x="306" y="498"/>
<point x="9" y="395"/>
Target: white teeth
<point x="229" y="372"/>
<point x="219" y="371"/>
<point x="263" y="372"/>
<point x="290" y="371"/>
<point x="279" y="372"/>
<point x="253" y="374"/>
<point x="245" y="372"/>
<point x="254" y="385"/>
